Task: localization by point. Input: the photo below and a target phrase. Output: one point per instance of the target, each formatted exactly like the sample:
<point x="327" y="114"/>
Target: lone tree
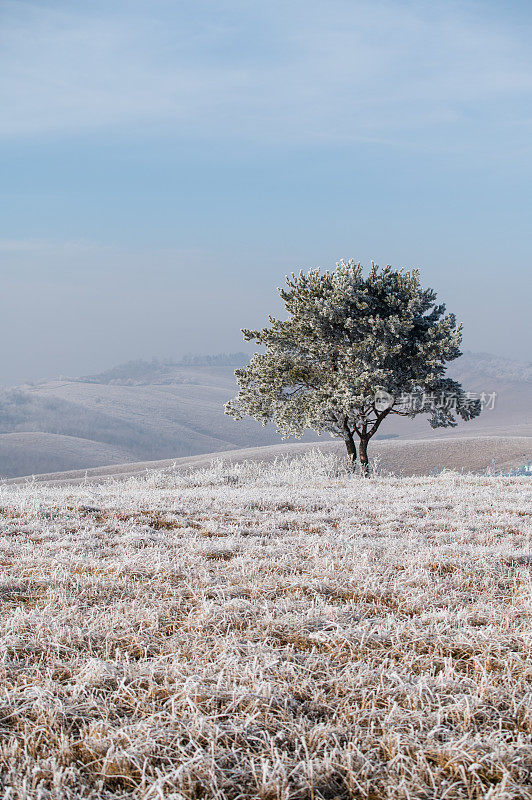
<point x="353" y="350"/>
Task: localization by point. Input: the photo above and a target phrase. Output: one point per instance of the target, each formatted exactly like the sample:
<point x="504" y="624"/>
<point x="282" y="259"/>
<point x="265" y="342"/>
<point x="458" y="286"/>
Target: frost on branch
<point x="348" y="337"/>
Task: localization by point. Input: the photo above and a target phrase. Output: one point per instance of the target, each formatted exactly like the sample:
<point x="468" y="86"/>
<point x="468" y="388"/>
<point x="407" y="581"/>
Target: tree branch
<point x="380" y="417"/>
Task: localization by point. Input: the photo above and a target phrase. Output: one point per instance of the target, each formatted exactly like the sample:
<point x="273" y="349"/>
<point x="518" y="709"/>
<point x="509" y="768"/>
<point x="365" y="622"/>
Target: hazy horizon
<point x="194" y="358"/>
<point x="166" y="164"/>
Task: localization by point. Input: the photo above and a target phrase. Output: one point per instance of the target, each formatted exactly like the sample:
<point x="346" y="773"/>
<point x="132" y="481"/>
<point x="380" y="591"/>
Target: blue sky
<point x="164" y="164"/>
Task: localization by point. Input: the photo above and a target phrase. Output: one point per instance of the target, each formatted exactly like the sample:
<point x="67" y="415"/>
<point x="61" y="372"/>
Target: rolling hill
<point x="148" y="411"/>
<point x="396" y="456"/>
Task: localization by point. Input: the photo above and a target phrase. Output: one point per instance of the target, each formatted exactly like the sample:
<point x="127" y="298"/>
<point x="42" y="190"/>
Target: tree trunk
<point x="351" y="448"/>
<point x="363" y="455"/>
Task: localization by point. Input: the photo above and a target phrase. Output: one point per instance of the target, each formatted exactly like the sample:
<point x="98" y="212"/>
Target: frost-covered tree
<point x="353" y="350"/>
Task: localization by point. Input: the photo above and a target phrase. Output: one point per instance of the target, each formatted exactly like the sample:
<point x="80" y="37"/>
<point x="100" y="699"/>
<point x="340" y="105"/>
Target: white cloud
<point x="311" y="72"/>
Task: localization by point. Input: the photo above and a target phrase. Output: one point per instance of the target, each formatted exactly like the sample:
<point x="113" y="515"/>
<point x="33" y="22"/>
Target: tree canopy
<point x="353" y="350"/>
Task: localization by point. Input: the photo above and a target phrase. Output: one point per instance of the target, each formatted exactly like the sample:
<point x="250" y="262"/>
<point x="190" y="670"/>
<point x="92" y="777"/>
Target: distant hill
<point x="486" y="365"/>
<point x="161" y="373"/>
<point x="398" y="457"/>
<point x="45" y="452"/>
<point x="155" y="410"/>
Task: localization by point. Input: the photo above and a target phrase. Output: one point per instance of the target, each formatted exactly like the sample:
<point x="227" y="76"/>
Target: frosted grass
<point x="283" y="630"/>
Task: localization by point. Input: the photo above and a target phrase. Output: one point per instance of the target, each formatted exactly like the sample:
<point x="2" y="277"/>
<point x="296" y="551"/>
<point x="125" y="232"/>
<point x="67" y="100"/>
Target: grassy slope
<point x="43" y="452"/>
<point x="402" y="457"/>
<point x="185" y="418"/>
<point x="257" y="631"/>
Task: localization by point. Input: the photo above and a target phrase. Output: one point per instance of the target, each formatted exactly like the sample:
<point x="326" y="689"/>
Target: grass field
<point x="267" y="631"/>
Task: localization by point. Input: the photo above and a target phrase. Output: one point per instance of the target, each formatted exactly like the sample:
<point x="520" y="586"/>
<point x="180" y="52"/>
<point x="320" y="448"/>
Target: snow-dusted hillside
<point x="267" y="631"/>
<point x="399" y="457"/>
<point x="141" y="421"/>
<point x="174" y="411"/>
<point x="53" y="451"/>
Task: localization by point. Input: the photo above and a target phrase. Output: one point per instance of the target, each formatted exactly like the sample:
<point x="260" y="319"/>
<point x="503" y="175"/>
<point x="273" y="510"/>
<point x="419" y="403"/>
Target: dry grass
<point x="267" y="632"/>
